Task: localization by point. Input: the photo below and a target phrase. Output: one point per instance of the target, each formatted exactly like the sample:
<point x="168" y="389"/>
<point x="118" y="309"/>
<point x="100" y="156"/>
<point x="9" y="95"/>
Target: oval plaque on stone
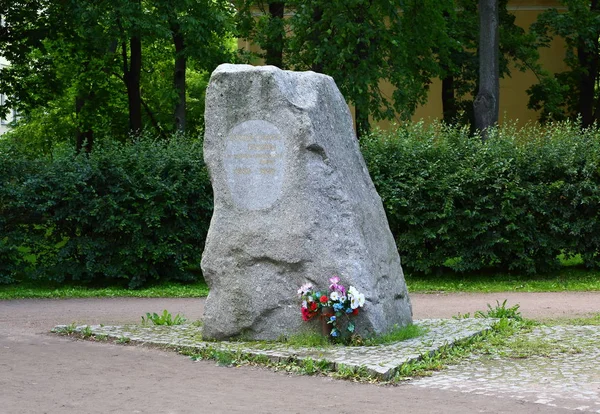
<point x="254" y="163"/>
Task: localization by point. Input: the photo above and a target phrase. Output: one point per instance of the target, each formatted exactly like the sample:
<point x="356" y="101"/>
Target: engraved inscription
<point x="254" y="162"/>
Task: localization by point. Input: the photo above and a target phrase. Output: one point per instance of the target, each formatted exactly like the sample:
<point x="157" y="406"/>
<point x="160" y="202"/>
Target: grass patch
<point x="307" y="339"/>
<point x="569" y="278"/>
<point x="28" y="290"/>
<point x="397" y="334"/>
<point x="590" y="320"/>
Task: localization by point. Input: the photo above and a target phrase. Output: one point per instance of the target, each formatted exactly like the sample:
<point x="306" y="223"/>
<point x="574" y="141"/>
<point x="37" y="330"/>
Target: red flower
<point x="323" y="299"/>
<point x="312" y="306"/>
<point x="355" y="311"/>
<point x="306" y="314"/>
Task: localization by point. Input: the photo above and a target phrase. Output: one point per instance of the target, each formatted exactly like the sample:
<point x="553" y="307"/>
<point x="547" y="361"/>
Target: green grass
<point x="590" y="320"/>
<point x="28" y="290"/>
<point x="308" y="339"/>
<point x="397" y="334"/>
<point x="567" y="279"/>
<point x="571" y="277"/>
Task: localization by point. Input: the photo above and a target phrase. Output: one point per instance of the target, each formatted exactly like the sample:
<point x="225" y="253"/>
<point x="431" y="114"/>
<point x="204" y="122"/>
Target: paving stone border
<point x="567" y="376"/>
<point x="381" y="360"/>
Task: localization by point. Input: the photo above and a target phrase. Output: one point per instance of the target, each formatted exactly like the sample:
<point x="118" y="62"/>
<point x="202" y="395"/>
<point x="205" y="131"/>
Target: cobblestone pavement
<point x="380" y="360"/>
<point x="564" y="373"/>
<point x="567" y="376"/>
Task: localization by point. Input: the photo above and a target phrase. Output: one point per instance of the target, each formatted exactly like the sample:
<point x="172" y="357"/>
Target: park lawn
<point x="567" y="279"/>
<point x="570" y="278"/>
<point x="28" y="290"/>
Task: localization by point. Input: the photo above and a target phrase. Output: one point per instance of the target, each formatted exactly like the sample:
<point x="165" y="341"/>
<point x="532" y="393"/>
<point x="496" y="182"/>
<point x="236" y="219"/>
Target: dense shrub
<point x="139" y="212"/>
<point x="134" y="212"/>
<point x="513" y="203"/>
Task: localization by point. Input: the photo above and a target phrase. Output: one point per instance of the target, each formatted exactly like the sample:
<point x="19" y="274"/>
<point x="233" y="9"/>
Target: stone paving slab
<point x="380" y="360"/>
<point x="568" y="376"/>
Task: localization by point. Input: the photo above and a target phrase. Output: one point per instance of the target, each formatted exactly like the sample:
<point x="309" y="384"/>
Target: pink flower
<point x="335" y="287"/>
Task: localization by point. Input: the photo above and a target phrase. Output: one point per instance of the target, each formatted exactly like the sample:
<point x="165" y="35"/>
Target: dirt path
<point x="42" y="373"/>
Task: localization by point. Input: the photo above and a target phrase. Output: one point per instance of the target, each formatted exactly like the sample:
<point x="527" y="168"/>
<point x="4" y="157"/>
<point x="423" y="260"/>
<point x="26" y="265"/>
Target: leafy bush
<point x="139" y="212"/>
<point x="134" y="212"/>
<point x="513" y="203"/>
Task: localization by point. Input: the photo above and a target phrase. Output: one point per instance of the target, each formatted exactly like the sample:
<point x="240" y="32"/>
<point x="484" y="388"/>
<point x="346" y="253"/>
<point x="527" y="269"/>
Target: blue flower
<point x="332" y="318"/>
<point x="334" y="332"/>
<point x="349" y="310"/>
<point x="338" y="307"/>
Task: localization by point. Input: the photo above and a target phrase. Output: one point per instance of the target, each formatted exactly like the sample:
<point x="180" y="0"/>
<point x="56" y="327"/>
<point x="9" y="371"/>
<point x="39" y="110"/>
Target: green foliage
<point x="134" y="212"/>
<point x="458" y="56"/>
<point x="574" y="92"/>
<point x="512" y="204"/>
<point x="364" y="44"/>
<point x="74" y="69"/>
<point x="501" y="311"/>
<point x="165" y="318"/>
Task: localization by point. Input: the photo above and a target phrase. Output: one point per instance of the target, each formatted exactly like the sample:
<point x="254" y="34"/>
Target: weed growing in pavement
<point x="123" y="340"/>
<point x="163" y="319"/>
<point x="86" y="332"/>
<point x="501" y="311"/>
<point x="70" y="329"/>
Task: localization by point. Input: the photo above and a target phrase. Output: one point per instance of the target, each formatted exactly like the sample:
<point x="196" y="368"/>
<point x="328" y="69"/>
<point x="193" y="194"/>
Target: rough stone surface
<point x="294" y="203"/>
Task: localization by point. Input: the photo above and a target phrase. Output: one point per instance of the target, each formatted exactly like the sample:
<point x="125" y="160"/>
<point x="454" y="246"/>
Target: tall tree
<point x="575" y="92"/>
<point x="198" y="29"/>
<point x="486" y="104"/>
<point x="460" y="63"/>
<point x="363" y="44"/>
<point x="91" y="52"/>
<point x="262" y="22"/>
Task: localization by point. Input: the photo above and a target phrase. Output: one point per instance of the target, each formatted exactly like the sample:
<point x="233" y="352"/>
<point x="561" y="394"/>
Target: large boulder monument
<point x="293" y="203"/>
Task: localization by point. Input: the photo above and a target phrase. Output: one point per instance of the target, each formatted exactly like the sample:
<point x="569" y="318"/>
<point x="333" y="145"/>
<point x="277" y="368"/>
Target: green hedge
<point x="139" y="212"/>
<point x="132" y="212"/>
<point x="513" y="203"/>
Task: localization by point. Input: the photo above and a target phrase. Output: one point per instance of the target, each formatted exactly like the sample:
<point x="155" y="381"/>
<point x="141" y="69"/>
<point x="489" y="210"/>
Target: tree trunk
<point x="316" y="37"/>
<point x="179" y="78"/>
<point x="449" y="107"/>
<point x="588" y="61"/>
<point x="486" y="104"/>
<point x="361" y="115"/>
<point x="132" y="81"/>
<point x="275" y="44"/>
<point x="84" y="139"/>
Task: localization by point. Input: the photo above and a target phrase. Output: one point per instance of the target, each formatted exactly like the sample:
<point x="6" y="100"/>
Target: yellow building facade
<point x="513" y="95"/>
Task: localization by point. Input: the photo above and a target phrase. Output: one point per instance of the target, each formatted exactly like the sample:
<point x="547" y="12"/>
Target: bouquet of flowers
<point x="336" y="304"/>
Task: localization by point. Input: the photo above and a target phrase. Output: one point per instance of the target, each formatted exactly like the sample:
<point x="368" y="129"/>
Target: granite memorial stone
<point x="293" y="203"/>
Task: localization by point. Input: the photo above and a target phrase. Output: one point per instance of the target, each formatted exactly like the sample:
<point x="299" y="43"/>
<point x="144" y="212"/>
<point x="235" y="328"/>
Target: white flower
<point x="361" y="299"/>
<point x="335" y="296"/>
<point x="357" y="299"/>
<point x="304" y="304"/>
<point x="305" y="289"/>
